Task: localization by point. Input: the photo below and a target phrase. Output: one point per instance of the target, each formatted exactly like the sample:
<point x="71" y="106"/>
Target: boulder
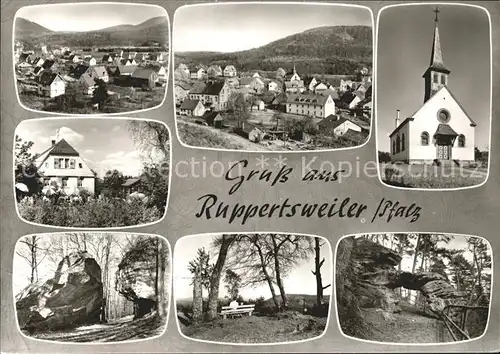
<point x="73" y="296"/>
<point x="136" y="276"/>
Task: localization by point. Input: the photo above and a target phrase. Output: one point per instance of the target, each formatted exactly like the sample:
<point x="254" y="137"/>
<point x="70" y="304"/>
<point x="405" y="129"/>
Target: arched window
<point x="394" y="146"/>
<point x="398" y="144"/>
<point x="461" y="140"/>
<point x="424" y="138"/>
<point x="403" y="142"/>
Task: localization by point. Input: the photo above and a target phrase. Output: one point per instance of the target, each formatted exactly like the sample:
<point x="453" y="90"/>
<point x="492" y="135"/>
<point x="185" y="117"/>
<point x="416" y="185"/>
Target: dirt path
<point x="406" y="327"/>
<point x="117" y="331"/>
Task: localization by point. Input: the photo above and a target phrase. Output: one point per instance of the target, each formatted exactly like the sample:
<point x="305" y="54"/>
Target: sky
<point x="235" y="27"/>
<point x="104" y="144"/>
<point x="76" y="16"/>
<point x="405" y="40"/>
<point x="299" y="281"/>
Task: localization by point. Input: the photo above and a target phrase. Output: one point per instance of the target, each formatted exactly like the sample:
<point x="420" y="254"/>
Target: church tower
<point x="436" y="75"/>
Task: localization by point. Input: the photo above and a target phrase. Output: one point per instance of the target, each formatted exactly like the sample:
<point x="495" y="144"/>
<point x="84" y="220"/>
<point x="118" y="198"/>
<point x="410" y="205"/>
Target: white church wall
<point x="402" y="155"/>
<point x="426" y="120"/>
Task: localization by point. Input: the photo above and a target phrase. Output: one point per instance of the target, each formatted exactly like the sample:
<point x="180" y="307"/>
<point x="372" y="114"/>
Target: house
<point x="63" y="164"/>
<point x="107" y="59"/>
<point x="129" y="55"/>
<point x="256" y="74"/>
<point x="233" y="82"/>
<point x="314" y="105"/>
<point x="273" y="86"/>
<point x="199" y="74"/>
<point x="74" y="58"/>
<point x="192" y="108"/>
<point x="320" y="87"/>
<point x="161" y="71"/>
<point x="127" y="62"/>
<point x="214" y="71"/>
<point x="214" y="119"/>
<point x="99" y="72"/>
<point x="157" y="56"/>
<point x="144" y="77"/>
<point x="214" y="94"/>
<point x="331" y="92"/>
<point x="25" y="58"/>
<point x="351" y="99"/>
<point x="78" y="71"/>
<point x="51" y="84"/>
<point x="252" y="132"/>
<point x="38" y="61"/>
<point x="48" y="64"/>
<point x="337" y="125"/>
<point x="89" y="60"/>
<point x="132" y="185"/>
<point x="440" y="129"/>
<point x="181" y="92"/>
<point x="258" y="105"/>
<point x="38" y="71"/>
<point x="312" y="84"/>
<point x="125" y="70"/>
<point x="183" y="70"/>
<point x="88" y="82"/>
<point x="280" y="73"/>
<point x="230" y="71"/>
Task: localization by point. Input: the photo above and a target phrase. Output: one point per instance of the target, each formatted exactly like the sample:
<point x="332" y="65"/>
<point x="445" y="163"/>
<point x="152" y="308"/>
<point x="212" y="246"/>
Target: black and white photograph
<point x="92" y="172"/>
<point x="252" y="288"/>
<point x="420" y="288"/>
<point x="434" y="96"/>
<point x="91" y="58"/>
<point x="273" y="76"/>
<point x="92" y="287"/>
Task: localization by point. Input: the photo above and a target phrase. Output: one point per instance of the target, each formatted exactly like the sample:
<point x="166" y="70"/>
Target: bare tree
<point x="32" y="253"/>
<point x="317" y="271"/>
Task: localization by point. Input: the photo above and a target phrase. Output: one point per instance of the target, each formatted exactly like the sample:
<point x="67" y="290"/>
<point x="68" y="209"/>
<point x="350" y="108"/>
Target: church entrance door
<point x="443" y="152"/>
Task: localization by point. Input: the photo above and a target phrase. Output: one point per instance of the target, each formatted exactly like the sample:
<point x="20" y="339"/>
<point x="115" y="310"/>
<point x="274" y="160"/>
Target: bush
<point x="94" y="213"/>
<point x="390" y="173"/>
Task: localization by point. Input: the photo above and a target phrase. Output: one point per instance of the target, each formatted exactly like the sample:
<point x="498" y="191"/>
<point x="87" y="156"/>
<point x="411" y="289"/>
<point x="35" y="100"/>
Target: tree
<point x="233" y="283"/>
<point x="32" y="253"/>
<point x="112" y="182"/>
<point x="223" y="242"/>
<point x="201" y="269"/>
<point x="239" y="106"/>
<point x="100" y="94"/>
<point x="277" y="117"/>
<point x="317" y="271"/>
<point x="25" y="171"/>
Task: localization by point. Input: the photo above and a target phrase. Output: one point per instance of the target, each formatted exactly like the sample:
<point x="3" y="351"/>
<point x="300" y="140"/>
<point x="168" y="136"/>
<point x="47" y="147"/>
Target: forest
<point x="109" y="205"/>
<point x="234" y="263"/>
<point x="91" y="287"/>
<point x="335" y="50"/>
<point x="413" y="288"/>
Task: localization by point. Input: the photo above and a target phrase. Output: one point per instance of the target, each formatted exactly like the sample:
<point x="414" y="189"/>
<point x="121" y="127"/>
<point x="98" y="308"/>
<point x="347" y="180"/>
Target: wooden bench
<point x="228" y="311"/>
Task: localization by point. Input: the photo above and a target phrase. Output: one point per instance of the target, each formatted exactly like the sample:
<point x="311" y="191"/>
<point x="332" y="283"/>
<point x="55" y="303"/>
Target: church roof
<point x="437" y="62"/>
<point x="445" y="129"/>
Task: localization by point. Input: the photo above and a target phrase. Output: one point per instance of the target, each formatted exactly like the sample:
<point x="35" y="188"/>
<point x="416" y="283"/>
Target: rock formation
<point x="136" y="276"/>
<point x="72" y="297"/>
<point x="375" y="277"/>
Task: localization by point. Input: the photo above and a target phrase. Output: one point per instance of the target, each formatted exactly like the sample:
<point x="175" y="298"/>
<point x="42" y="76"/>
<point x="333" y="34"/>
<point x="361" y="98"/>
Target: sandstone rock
<point x="72" y="297"/>
<point x="136" y="277"/>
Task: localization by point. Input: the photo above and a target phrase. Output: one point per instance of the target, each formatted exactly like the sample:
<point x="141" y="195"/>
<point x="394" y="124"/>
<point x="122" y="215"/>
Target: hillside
<point x="25" y="28"/>
<point x="322" y="50"/>
<point x="153" y="29"/>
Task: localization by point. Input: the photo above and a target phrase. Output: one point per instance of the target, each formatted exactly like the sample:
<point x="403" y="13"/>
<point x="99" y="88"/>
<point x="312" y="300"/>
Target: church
<point x="440" y="131"/>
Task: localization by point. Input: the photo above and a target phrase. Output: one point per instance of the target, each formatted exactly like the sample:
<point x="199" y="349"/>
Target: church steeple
<point x="436" y="75"/>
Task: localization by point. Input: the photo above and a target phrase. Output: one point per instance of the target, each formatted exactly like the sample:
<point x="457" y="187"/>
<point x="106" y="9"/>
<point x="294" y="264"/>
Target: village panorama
<point x="120" y="68"/>
<point x="309" y="90"/>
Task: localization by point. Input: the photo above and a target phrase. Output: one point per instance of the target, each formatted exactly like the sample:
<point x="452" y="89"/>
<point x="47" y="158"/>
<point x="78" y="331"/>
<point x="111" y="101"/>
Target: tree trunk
<point x="160" y="270"/>
<point x="317" y="272"/>
<point x="277" y="269"/>
<point x="213" y="296"/>
<point x="415" y="255"/>
<point x="266" y="274"/>
<point x="197" y="297"/>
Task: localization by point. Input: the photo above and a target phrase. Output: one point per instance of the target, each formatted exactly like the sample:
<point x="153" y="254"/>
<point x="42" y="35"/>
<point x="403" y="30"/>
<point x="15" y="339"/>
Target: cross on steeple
<point x="437" y="12"/>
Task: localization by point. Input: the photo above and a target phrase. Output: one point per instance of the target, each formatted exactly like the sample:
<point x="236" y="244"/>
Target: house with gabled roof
<point x="230" y="71"/>
<point x="337" y="125"/>
<point x="192" y="108"/>
<point x="314" y="105"/>
<point x="78" y="71"/>
<point x="144" y="77"/>
<point x="213" y="94"/>
<point x="63" y="164"/>
<point x="181" y="91"/>
<point x="99" y="72"/>
<point x="88" y="83"/>
<point x="50" y="84"/>
<point x="214" y="71"/>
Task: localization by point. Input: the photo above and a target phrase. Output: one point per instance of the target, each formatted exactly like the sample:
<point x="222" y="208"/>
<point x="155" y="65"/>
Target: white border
<point x="95" y="228"/>
<point x="263" y="4"/>
<point x="170" y="274"/>
<point x="415" y="344"/>
<point x="208" y="234"/>
<point x="491" y="97"/>
<point x="96" y="113"/>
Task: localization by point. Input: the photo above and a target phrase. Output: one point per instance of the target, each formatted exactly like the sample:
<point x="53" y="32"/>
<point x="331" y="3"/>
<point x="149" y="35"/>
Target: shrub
<point x="390" y="173"/>
<point x="92" y="213"/>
